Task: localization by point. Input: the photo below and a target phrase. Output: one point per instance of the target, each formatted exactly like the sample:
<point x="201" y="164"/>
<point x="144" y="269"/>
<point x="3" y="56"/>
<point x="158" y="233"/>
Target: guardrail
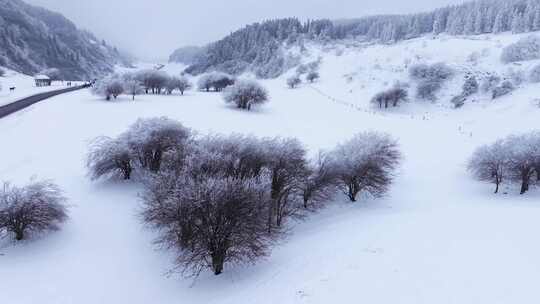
<point x="20" y="104"/>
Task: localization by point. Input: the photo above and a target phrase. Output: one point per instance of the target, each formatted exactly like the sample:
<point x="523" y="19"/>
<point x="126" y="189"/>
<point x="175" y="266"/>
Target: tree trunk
<point x="19" y="234"/>
<point x="217" y="263"/>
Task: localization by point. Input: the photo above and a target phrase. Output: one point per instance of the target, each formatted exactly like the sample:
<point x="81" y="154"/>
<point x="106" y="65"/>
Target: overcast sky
<point x="152" y="29"/>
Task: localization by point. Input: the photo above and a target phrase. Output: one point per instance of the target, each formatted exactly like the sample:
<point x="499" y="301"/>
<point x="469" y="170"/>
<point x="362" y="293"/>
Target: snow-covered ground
<point x="24" y="87"/>
<point x="438" y="237"/>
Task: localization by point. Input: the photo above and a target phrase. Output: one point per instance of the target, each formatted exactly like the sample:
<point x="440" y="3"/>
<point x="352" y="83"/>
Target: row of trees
<point x="514" y="159"/>
<point x="145" y="81"/>
<point x="32" y="209"/>
<point x="225" y="199"/>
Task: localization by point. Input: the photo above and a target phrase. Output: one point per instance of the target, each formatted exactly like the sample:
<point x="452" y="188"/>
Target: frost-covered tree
<point x="515" y="159"/>
<point x="32" y="209"/>
<point x="534" y="74"/>
<point x="490" y="163"/>
<point x="183" y="84"/>
<point x="153" y="80"/>
<point x="505" y="88"/>
<point x="150" y="139"/>
<point x="294" y="81"/>
<point x="109" y="157"/>
<point x="245" y="94"/>
<point x="427" y="90"/>
<point x="490" y="82"/>
<point x="524" y="158"/>
<point x="112" y="86"/>
<point x="216" y="81"/>
<point x="320" y="184"/>
<point x="52" y="73"/>
<point x="470" y="86"/>
<point x="366" y="163"/>
<point x="288" y="167"/>
<point x="312" y="76"/>
<point x="527" y="48"/>
<point x="133" y="87"/>
<point x="392" y="97"/>
<point x="209" y="222"/>
<point x="430" y="79"/>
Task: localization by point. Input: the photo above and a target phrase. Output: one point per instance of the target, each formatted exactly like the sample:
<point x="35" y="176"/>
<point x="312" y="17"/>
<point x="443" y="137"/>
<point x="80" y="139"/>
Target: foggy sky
<point x="152" y="29"/>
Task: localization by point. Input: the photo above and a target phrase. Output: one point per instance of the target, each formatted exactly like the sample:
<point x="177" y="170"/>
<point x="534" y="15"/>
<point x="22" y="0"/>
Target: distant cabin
<point x="42" y="81"/>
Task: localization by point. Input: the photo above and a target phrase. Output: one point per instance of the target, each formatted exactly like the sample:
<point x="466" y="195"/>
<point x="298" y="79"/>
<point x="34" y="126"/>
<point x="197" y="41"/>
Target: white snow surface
<point x="438" y="237"/>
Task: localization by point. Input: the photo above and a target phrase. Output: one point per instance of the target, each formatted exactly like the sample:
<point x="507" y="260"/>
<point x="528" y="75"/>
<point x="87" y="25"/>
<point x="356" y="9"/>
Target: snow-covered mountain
<point x="262" y="47"/>
<point x="33" y="39"/>
<point x="439" y="236"/>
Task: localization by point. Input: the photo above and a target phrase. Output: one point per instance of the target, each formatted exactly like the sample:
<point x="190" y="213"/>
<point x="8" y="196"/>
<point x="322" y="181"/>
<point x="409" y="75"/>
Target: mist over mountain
<point x="33" y="39"/>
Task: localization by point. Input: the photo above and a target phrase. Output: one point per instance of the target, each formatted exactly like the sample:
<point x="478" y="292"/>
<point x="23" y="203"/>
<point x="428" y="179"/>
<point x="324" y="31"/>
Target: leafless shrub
<point x="109" y="156"/>
<point x="366" y="163"/>
<point x="35" y="208"/>
<point x="245" y="94"/>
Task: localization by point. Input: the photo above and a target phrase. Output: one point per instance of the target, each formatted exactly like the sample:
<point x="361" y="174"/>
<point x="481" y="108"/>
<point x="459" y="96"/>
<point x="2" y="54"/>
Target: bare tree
<point x="366" y="164"/>
<point x="183" y="84"/>
<point x="109" y="156"/>
<point x="490" y="163"/>
<point x="524" y="158"/>
<point x="35" y="208"/>
<point x="210" y="222"/>
<point x="294" y="81"/>
<point x="246" y="93"/>
<point x="312" y="76"/>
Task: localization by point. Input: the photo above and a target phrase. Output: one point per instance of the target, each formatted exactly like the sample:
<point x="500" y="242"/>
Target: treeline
<point x="218" y="200"/>
<point x="259" y="47"/>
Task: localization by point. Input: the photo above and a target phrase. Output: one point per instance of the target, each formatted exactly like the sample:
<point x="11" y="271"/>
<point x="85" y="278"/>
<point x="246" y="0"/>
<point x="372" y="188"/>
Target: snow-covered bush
<point x="430" y="79"/>
<point x="2" y="72"/>
<point x="287" y="167"/>
<point x="209" y="222"/>
<point x="524" y="161"/>
<point x="216" y="81"/>
<point x="490" y="163"/>
<point x="458" y="101"/>
<point x="153" y="80"/>
<point x="178" y="83"/>
<point x="293" y="81"/>
<point x="505" y="88"/>
<point x="534" y="74"/>
<point x="438" y="72"/>
<point x="133" y="87"/>
<point x="110" y="157"/>
<point x="320" y="184"/>
<point x="52" y="73"/>
<point x="312" y="76"/>
<point x="150" y="140"/>
<point x="470" y="86"/>
<point x="366" y="163"/>
<point x="427" y="90"/>
<point x="245" y="94"/>
<point x="108" y="87"/>
<point x="35" y="208"/>
<point x="490" y="82"/>
<point x="392" y="97"/>
<point x="515" y="159"/>
<point x="527" y="48"/>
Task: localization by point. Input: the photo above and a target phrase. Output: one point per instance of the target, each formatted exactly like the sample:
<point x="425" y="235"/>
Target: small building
<point x="42" y="81"/>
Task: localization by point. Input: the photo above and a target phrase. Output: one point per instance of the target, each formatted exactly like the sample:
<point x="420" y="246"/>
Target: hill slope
<point x="33" y="38"/>
<point x="438" y="237"/>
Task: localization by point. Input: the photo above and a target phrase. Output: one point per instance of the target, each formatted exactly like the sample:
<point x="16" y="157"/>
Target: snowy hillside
<point x="437" y="237"/>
